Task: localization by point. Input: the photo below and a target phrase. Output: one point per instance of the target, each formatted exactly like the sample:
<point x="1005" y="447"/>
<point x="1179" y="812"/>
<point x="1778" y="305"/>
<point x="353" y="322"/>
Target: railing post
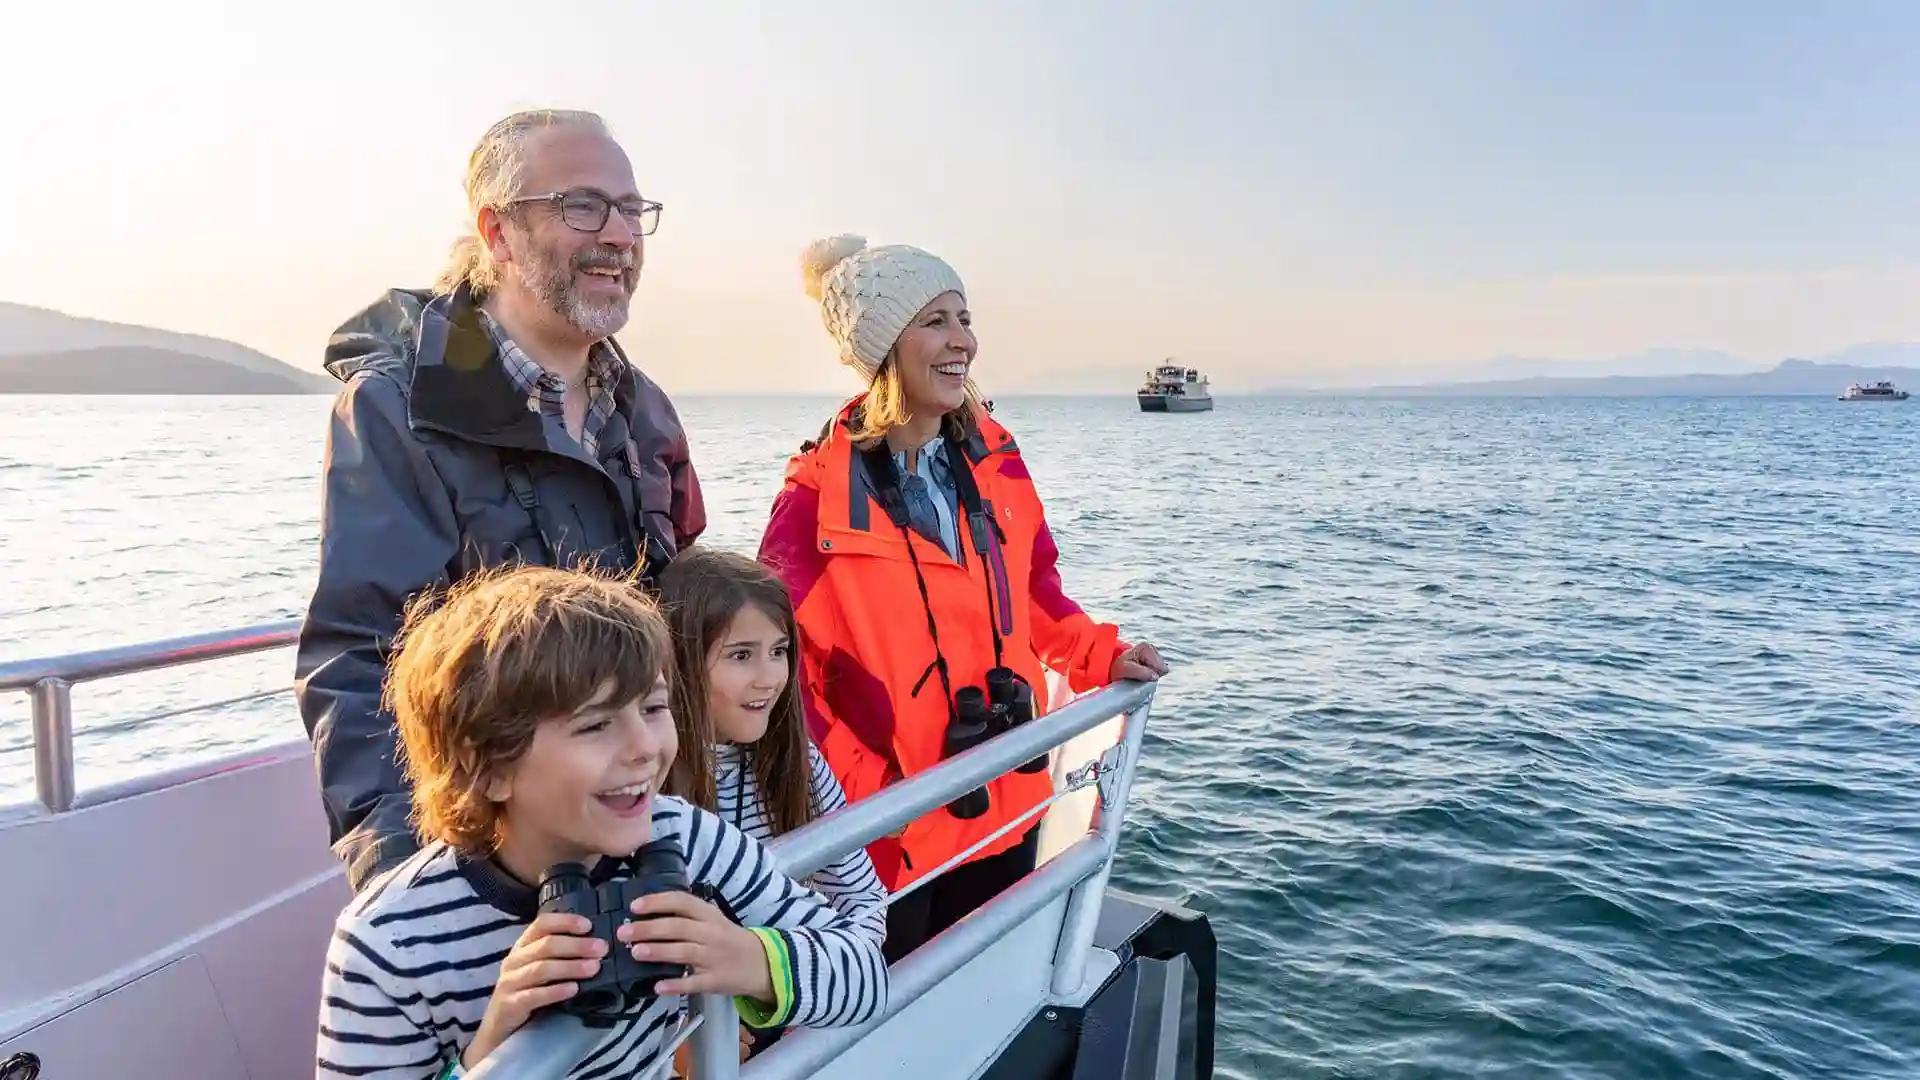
<point x="53" y="743"/>
<point x="1083" y="904"/>
<point x="716" y="1043"/>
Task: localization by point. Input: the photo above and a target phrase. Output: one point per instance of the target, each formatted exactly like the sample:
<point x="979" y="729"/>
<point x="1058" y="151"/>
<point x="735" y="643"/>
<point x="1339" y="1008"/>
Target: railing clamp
<point x="1099" y="771"/>
<point x="1109" y="774"/>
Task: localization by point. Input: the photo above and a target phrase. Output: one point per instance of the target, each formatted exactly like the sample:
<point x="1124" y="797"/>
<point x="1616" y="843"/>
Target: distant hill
<point x="1652" y="362"/>
<point x="1652" y="372"/>
<point x="136" y="369"/>
<point x="1789" y="378"/>
<point x="51" y="352"/>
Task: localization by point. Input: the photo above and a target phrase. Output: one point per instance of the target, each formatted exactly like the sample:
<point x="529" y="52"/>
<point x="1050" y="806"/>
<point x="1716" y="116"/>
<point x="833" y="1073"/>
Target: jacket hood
<point x="383" y="331"/>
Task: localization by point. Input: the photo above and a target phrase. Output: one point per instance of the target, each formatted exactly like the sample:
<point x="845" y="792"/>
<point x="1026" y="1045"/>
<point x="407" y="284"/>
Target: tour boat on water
<point x="1878" y="391"/>
<point x="1172" y="388"/>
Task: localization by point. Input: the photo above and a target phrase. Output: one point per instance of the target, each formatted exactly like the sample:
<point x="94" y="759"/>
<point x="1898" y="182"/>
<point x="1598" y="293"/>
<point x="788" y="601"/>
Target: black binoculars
<point x="1006" y="704"/>
<point x="621" y="980"/>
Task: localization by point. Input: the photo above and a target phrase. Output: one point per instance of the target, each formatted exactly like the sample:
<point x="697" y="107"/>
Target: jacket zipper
<point x="998" y="568"/>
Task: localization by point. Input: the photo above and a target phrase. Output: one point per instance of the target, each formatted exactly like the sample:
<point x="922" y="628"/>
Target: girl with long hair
<point x="744" y="750"/>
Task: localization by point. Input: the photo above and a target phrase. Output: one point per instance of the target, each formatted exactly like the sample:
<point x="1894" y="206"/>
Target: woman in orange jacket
<point x="924" y="580"/>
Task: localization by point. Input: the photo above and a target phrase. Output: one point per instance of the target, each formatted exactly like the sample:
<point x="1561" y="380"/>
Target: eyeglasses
<point x="587" y="211"/>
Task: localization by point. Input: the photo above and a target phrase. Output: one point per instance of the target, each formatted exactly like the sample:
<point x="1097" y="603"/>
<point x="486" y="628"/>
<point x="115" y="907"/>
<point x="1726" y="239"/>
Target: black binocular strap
<point x="520" y="479"/>
<point x="886" y="487"/>
<point x="650" y="558"/>
<point x="981" y="526"/>
<point x="985" y="531"/>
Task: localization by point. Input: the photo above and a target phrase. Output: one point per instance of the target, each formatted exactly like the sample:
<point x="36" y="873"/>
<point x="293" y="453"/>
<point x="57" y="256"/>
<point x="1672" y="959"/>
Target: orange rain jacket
<point x="864" y="638"/>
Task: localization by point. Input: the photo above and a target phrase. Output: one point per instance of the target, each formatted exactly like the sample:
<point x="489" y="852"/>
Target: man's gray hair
<point x="496" y="172"/>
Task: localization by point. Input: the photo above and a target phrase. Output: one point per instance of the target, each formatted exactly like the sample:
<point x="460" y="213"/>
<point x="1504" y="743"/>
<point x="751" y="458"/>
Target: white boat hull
<point x="174" y="934"/>
<point x="1173" y="403"/>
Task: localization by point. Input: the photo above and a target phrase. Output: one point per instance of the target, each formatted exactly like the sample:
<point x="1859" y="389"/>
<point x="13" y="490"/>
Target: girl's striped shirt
<point x="849" y="882"/>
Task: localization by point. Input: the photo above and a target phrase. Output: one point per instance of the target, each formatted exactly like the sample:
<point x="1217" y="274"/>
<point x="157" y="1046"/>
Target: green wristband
<point x="780" y="972"/>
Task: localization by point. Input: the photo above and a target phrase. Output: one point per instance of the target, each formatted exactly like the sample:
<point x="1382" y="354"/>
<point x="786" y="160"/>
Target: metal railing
<point x="49" y="683"/>
<point x="549" y="1046"/>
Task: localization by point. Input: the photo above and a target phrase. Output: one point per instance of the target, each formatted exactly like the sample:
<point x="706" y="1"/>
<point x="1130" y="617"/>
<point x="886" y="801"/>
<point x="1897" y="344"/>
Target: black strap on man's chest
<point x="639" y="547"/>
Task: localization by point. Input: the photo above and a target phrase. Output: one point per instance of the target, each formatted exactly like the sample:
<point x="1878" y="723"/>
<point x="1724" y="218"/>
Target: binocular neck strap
<point x="608" y="866"/>
<point x="981" y="527"/>
<point x="885" y="478"/>
<point x="985" y="532"/>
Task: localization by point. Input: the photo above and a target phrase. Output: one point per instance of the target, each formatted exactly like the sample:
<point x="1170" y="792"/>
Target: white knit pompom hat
<point x="868" y="295"/>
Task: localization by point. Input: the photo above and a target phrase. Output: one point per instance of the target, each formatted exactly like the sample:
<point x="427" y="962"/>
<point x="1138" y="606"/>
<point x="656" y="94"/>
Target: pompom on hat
<point x="868" y="295"/>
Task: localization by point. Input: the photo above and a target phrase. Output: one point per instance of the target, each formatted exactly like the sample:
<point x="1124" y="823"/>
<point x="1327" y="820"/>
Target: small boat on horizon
<point x="1883" y="390"/>
<point x="1173" y="388"/>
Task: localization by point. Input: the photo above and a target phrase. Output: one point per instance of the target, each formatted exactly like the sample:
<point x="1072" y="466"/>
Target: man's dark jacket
<point x="421" y="446"/>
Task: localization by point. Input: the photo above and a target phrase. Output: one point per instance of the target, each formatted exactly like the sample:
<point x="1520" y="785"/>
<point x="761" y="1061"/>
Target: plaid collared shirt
<point x="546" y="393"/>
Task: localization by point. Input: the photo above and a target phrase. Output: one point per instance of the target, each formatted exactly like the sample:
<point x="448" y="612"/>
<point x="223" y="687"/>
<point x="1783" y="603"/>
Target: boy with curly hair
<point x="534" y="721"/>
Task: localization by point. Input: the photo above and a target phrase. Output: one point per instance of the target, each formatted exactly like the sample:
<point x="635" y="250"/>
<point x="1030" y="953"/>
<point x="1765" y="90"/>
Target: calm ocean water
<point x="1565" y="739"/>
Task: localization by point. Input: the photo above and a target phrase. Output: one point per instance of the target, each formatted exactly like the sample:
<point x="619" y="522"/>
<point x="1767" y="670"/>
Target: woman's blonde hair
<point x="885" y="408"/>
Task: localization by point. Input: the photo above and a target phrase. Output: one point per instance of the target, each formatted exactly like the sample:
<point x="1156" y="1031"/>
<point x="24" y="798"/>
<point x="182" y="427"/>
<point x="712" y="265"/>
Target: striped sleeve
<point x="374" y="1024"/>
<point x="849" y="883"/>
<point x="836" y="974"/>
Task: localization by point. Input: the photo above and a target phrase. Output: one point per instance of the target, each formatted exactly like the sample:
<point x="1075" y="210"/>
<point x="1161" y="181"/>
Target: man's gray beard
<point x="551" y="280"/>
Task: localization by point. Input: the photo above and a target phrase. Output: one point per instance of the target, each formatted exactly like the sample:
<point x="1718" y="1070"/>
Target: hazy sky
<point x="1266" y="189"/>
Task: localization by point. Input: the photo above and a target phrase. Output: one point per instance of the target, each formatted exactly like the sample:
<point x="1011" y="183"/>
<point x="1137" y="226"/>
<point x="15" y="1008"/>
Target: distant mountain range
<point x="1788" y="378"/>
<point x="1654" y="373"/>
<point x="50" y="352"/>
<point x="1657" y="372"/>
<point x="1652" y="362"/>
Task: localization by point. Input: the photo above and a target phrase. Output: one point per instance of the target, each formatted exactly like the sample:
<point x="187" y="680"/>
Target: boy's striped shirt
<point x="415" y="956"/>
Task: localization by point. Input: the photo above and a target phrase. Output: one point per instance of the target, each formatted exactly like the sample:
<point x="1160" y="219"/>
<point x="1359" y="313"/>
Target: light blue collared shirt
<point x="936" y="473"/>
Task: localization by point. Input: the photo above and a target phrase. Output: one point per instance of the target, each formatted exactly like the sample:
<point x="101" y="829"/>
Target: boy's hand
<point x="540" y="969"/>
<point x="723" y="958"/>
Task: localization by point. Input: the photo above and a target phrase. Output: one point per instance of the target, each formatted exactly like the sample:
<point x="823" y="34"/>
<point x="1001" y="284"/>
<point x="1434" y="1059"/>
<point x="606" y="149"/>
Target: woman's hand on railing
<point x="1141" y="663"/>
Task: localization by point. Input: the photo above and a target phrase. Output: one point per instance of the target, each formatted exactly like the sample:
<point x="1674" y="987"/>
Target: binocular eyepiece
<point x="621" y="981"/>
<point x="1011" y="699"/>
<point x="1006" y="703"/>
<point x="971" y="727"/>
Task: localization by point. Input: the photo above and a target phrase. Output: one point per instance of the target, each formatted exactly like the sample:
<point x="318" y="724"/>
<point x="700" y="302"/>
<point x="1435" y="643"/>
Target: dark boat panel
<point x="1153" y="1019"/>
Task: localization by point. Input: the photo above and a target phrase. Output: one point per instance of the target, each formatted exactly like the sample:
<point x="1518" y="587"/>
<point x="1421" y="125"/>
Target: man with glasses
<point x="488" y="421"/>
